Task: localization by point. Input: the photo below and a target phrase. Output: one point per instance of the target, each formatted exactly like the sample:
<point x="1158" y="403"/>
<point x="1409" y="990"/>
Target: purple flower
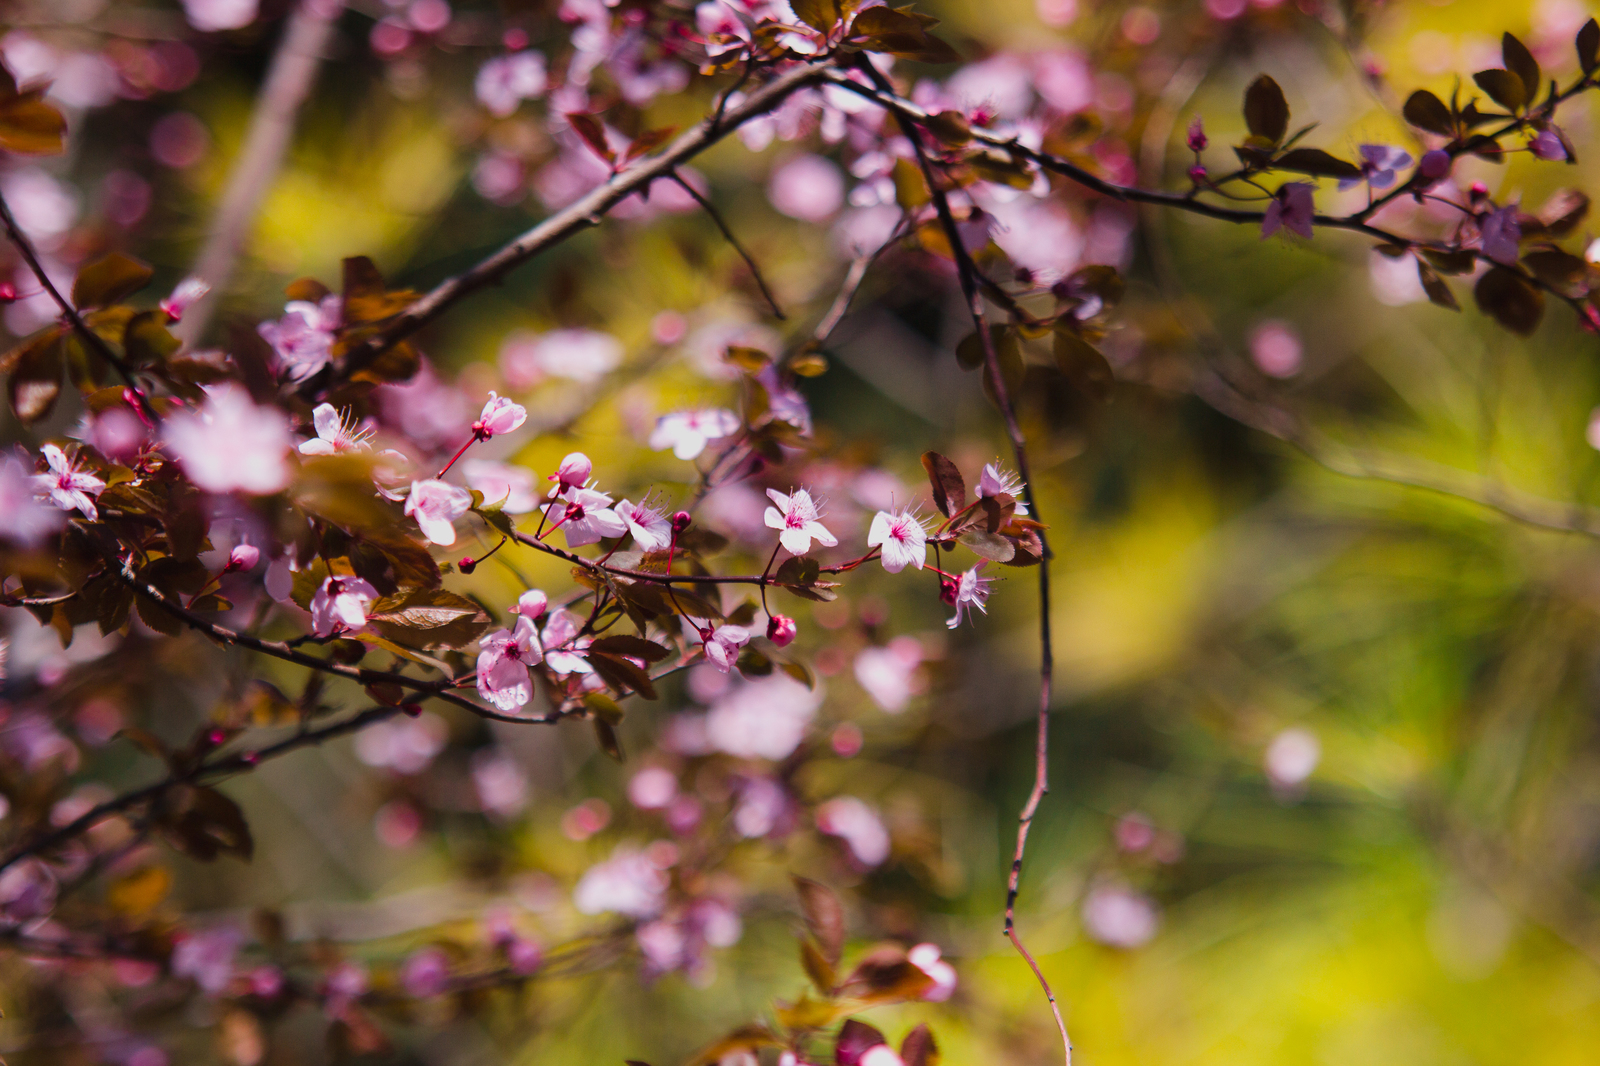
<point x="1502" y="237"/>
<point x="901" y="537"/>
<point x="858" y="826"/>
<point x="1435" y="165"/>
<point x="1292" y="209"/>
<point x="1547" y="145"/>
<point x="1378" y="165"/>
<point x="781" y="630"/>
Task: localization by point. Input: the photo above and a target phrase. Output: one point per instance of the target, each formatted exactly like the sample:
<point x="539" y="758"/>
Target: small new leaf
<point x="1509" y="298"/>
<point x="1520" y="61"/>
<point x="1426" y="111"/>
<point x="1317" y="162"/>
<point x="945" y="480"/>
<point x="1503" y="87"/>
<point x="1588" y="44"/>
<point x="1436" y="288"/>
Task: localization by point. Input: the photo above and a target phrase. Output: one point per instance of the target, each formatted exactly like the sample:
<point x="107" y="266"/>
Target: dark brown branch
<point x="906" y="111"/>
<point x="95" y="342"/>
<point x="576" y="217"/>
<point x="968" y="274"/>
<point x="727" y="235"/>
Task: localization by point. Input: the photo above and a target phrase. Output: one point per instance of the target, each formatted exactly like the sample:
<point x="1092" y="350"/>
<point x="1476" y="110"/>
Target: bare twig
<point x="294" y="67"/>
<point x="95" y="342"/>
<point x="727" y="235"/>
<point x="968" y="274"/>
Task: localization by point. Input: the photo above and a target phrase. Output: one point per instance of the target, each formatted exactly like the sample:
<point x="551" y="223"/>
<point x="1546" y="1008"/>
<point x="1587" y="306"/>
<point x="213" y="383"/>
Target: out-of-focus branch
<point x="96" y="343"/>
<point x="294" y="67"/>
<point x="728" y="235"/>
<point x="968" y="274"/>
<point x="584" y="213"/>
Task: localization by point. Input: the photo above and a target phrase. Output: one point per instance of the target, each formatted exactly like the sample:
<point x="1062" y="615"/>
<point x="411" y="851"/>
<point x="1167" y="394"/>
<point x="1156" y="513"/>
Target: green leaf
<point x="108" y="280"/>
<point x="1519" y="61"/>
<point x="1509" y="298"/>
<point x="1426" y="111"/>
<point x="1266" y="112"/>
<point x="1317" y="162"/>
<point x="1503" y="87"/>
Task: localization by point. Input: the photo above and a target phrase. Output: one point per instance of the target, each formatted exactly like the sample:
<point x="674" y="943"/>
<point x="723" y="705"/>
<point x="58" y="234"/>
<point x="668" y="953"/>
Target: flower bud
<point x="412" y="710"/>
<point x="215" y="736"/>
<point x="1197" y="174"/>
<point x="242" y="557"/>
<point x="1435" y="164"/>
<point x="1478" y="193"/>
<point x="466" y="564"/>
<point x="1547" y="146"/>
<point x="681" y="521"/>
<point x="947" y="592"/>
<point x="781" y="630"/>
<point x="1197" y="135"/>
<point x="8" y="292"/>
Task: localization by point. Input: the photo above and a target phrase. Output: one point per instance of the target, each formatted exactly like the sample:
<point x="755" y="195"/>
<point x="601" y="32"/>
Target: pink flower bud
<point x="1197" y="174"/>
<point x="8" y="292"/>
<point x="573" y="472"/>
<point x="425" y="973"/>
<point x="681" y="521"/>
<point x="242" y="557"/>
<point x="499" y="416"/>
<point x="466" y="564"/>
<point x="1197" y="135"/>
<point x="531" y="604"/>
<point x="781" y="630"/>
<point x="1435" y="164"/>
<point x="1478" y="193"/>
<point x="947" y="592"/>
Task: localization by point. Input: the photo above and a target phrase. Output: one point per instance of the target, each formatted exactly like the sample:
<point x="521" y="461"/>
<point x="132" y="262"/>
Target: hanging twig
<point x="727" y="234"/>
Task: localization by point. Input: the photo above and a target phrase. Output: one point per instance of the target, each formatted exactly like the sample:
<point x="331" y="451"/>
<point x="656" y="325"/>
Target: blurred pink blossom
<point x="807" y="187"/>
<point x="889" y="674"/>
<point x="230" y="444"/>
<point x="436" y="505"/>
<point x="1119" y="917"/>
<point x="762" y="719"/>
<point x="627" y="884"/>
<point x="212" y="16"/>
<point x="858" y="826"/>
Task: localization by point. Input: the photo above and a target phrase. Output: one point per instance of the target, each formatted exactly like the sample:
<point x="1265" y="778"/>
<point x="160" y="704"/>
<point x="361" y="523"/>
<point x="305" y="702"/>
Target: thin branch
<point x="905" y="110"/>
<point x="852" y="284"/>
<point x="967" y="273"/>
<point x="576" y="217"/>
<point x="727" y="235"/>
<point x="95" y="342"/>
<point x="288" y="82"/>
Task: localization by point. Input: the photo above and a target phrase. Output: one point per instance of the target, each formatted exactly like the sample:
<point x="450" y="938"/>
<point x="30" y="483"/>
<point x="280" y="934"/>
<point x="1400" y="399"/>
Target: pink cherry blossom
<point x="798" y="518"/>
<point x="902" y="539"/>
<point x="889" y="674"/>
<point x="341" y="602"/>
<point x="996" y="480"/>
<point x="500" y="782"/>
<point x="722" y="650"/>
<point x="926" y="957"/>
<point x="628" y="884"/>
<point x="650" y="528"/>
<point x="1120" y="917"/>
<point x="207" y="957"/>
<point x="499" y="416"/>
<point x="185" y="295"/>
<point x="303" y="338"/>
<point x="652" y="788"/>
<point x="436" y="505"/>
<point x="858" y="825"/>
<point x="880" y="1055"/>
<point x="66" y="486"/>
<point x="505" y="81"/>
<point x="576" y="354"/>
<point x="405" y="745"/>
<point x="1292" y="209"/>
<point x="585" y="516"/>
<point x="503" y="660"/>
<point x="230" y="444"/>
<point x="509" y="487"/>
<point x="972" y="591"/>
<point x="334" y="433"/>
<point x="687" y="432"/>
<point x="781" y="630"/>
<point x="212" y="16"/>
<point x="116" y="433"/>
<point x="762" y="719"/>
<point x="425" y="973"/>
<point x="573" y="472"/>
<point x="807" y="187"/>
<point x="23" y="519"/>
<point x="564" y="650"/>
